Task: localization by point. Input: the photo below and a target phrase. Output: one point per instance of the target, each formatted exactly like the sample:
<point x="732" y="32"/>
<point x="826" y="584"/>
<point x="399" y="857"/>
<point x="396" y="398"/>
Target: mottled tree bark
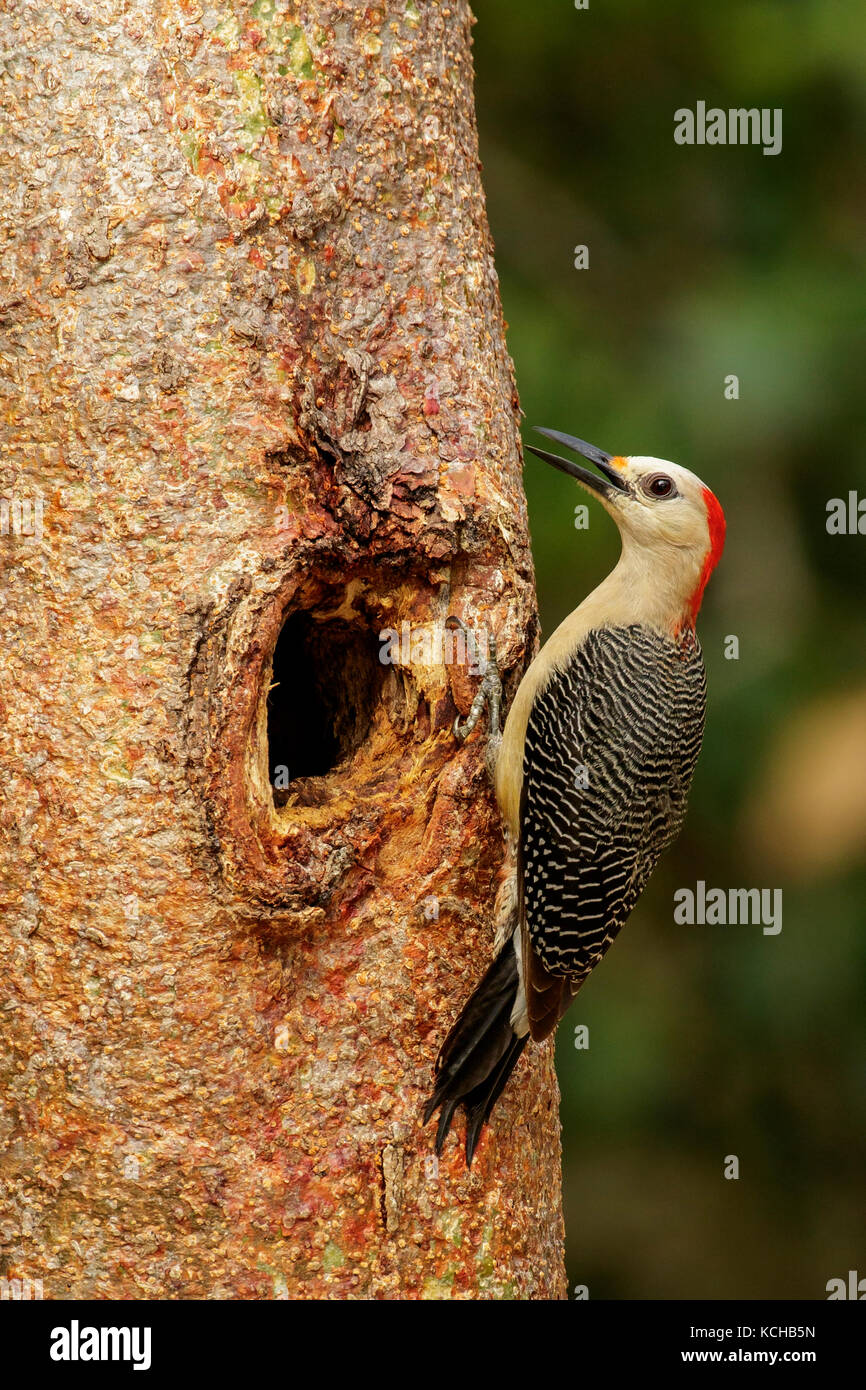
<point x="255" y="383"/>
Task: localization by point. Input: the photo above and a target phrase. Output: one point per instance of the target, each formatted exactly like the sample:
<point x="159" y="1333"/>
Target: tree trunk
<point x="258" y="410"/>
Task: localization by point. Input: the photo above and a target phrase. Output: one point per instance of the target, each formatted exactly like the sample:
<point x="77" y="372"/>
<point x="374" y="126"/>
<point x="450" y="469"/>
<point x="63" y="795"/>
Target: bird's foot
<point x="489" y="693"/>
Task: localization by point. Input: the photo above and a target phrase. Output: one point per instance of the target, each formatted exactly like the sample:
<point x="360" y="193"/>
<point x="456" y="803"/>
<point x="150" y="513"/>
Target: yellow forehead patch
<point x="619" y="463"/>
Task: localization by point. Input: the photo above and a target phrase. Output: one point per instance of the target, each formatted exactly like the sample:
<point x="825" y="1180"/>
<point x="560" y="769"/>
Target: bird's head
<point x="662" y="510"/>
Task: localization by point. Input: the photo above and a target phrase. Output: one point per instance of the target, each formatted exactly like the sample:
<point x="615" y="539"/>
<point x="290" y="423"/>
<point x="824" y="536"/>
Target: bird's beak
<point x="608" y="486"/>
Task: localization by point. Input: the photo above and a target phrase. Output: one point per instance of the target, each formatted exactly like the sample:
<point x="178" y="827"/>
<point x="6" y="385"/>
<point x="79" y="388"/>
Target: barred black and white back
<point x="610" y="750"/>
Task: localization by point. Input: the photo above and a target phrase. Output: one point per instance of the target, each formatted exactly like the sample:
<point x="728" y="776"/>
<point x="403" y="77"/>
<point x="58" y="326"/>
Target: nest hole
<point x="326" y="682"/>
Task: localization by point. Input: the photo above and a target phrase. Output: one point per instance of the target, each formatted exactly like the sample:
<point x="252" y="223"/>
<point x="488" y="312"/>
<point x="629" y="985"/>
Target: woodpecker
<point x="592" y="769"/>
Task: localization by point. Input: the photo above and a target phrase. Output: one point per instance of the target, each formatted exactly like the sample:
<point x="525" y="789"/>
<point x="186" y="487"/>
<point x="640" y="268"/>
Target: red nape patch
<point x="716" y="526"/>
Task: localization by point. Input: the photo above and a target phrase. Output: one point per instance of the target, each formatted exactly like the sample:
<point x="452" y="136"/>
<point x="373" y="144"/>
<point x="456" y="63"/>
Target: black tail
<point x="479" y="1054"/>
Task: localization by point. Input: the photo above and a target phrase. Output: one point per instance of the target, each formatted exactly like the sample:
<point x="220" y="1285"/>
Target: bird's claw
<point x="489" y="691"/>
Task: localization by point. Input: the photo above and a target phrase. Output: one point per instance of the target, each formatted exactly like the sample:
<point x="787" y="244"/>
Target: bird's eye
<point x="659" y="485"/>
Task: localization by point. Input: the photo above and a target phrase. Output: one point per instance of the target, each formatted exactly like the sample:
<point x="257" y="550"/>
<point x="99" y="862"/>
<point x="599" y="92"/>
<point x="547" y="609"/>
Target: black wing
<point x="611" y="745"/>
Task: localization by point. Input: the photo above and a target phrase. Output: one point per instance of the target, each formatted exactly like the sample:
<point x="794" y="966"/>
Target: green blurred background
<point x="707" y="1041"/>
